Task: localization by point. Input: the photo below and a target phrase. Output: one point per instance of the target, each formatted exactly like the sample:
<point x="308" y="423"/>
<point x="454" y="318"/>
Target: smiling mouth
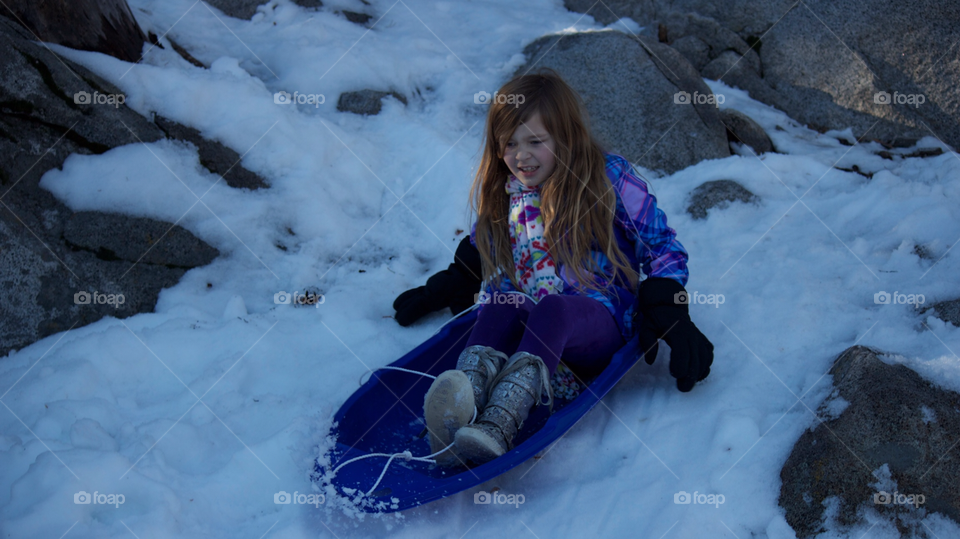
<point x="528" y="170"/>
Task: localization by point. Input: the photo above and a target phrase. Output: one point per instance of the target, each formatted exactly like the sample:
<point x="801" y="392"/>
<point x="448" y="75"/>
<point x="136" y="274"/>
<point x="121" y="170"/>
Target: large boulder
<point x="105" y="26"/>
<point x="882" y="443"/>
<point x="52" y="260"/>
<point x="634" y="89"/>
<point x="887" y="69"/>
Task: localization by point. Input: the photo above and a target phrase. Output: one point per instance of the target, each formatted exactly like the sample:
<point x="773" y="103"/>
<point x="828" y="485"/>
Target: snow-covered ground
<point x="199" y="413"/>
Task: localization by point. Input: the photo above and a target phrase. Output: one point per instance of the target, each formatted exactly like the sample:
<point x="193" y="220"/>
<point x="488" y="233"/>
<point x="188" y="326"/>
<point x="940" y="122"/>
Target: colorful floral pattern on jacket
<point x="536" y="271"/>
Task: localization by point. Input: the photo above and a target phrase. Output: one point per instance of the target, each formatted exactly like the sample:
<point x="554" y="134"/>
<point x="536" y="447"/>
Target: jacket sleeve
<point x="655" y="244"/>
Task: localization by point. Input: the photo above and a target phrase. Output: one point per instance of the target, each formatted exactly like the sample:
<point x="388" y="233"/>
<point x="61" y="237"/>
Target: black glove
<point x="665" y="315"/>
<point x="454" y="287"/>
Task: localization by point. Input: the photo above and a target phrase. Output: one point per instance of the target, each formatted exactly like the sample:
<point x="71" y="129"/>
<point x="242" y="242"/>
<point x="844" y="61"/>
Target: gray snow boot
<point x="516" y="390"/>
<point x="447" y="406"/>
<point x="452" y="398"/>
<point x="481" y="364"/>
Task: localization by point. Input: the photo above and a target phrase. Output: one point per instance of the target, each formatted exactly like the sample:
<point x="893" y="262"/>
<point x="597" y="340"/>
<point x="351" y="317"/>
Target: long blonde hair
<point x="577" y="201"/>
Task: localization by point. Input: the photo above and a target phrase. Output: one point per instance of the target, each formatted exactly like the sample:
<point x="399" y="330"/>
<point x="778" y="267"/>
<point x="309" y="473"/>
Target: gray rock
<point x="631" y="101"/>
<point x="365" y="102"/>
<point x="730" y="70"/>
<point x="718" y="194"/>
<point x="828" y="59"/>
<point x="246" y="9"/>
<point x="948" y="311"/>
<point x="40" y="271"/>
<point x="717" y="38"/>
<point x="741" y="128"/>
<point x="238" y="9"/>
<point x="140" y="241"/>
<point x="105" y="26"/>
<point x="924" y="252"/>
<point x="743" y="17"/>
<point x="357" y="18"/>
<point x="694" y="50"/>
<point x="893" y="418"/>
<point x="214" y="156"/>
<point x="37" y="87"/>
<point x="830" y="86"/>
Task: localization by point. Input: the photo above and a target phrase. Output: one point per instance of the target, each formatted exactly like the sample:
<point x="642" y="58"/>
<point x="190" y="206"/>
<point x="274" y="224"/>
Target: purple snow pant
<point x="577" y="328"/>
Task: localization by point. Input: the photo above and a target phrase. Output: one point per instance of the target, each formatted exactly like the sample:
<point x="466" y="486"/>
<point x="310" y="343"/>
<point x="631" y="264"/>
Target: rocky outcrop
<point x="214" y="156"/>
<point x="59" y="269"/>
<point x="886" y="69"/>
<point x="883" y="443"/>
<point x="105" y="26"/>
<point x="660" y="104"/>
<point x="143" y="241"/>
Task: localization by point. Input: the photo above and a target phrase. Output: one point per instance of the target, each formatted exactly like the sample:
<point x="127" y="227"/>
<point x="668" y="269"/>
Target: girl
<point x="562" y="229"/>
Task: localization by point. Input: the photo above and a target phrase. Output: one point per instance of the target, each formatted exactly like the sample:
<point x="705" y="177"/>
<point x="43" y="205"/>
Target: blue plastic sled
<point x="373" y="420"/>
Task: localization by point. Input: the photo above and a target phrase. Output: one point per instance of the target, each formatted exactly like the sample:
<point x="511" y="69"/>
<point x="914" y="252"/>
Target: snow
<point x="199" y="413"/>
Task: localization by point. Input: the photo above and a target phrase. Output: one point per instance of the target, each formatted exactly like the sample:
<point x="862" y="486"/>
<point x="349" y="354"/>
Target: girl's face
<point x="530" y="152"/>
